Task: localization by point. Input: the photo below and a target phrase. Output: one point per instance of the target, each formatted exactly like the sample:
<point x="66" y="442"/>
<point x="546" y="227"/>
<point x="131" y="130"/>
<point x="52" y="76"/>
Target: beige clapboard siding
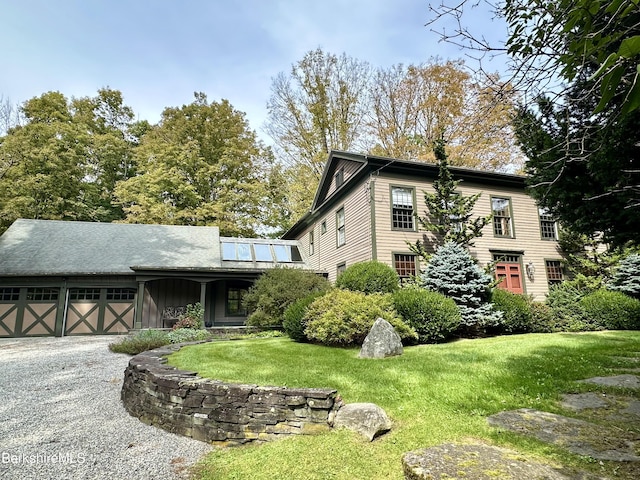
<point x="350" y="167"/>
<point x="327" y="255"/>
<point x="525" y="221"/>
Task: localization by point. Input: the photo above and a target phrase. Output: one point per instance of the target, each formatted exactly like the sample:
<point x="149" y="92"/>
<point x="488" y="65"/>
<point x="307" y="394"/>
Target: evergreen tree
<point x="449" y="214"/>
<point x="626" y="279"/>
<point x="453" y="272"/>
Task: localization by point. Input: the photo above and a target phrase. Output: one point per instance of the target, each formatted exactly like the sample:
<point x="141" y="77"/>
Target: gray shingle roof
<point x="46" y="247"/>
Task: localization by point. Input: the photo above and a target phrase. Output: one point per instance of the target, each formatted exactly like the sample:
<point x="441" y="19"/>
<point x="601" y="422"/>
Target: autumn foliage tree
<point x="331" y="102"/>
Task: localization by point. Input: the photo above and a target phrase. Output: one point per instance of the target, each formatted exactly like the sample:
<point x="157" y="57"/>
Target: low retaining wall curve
<point x="215" y="411"/>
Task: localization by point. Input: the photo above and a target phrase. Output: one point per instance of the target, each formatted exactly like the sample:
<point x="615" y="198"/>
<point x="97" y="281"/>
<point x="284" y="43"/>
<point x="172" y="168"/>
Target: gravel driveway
<point x="61" y="416"/>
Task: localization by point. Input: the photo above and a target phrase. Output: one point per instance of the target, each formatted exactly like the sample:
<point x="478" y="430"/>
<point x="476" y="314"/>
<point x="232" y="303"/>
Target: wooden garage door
<point x="100" y="311"/>
<point x="28" y="311"/>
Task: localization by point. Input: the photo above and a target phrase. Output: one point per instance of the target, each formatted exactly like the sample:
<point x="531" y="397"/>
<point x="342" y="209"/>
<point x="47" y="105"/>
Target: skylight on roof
<point x="247" y="251"/>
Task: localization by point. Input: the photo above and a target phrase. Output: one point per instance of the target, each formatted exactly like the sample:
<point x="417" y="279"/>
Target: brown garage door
<point x="100" y="311"/>
<point x="28" y="312"/>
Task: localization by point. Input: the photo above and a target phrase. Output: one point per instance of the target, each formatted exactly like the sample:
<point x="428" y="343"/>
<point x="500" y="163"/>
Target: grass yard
<point x="433" y="394"/>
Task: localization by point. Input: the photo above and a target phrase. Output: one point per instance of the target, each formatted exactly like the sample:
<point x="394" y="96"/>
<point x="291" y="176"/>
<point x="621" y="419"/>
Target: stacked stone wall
<point x="220" y="412"/>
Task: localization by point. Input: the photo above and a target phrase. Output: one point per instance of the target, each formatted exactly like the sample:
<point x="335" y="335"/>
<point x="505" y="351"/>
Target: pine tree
<point x="626" y="278"/>
<point x="453" y="272"/>
<point x="449" y="213"/>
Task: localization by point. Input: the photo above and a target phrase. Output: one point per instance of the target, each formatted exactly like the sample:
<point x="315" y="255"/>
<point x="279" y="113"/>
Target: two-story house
<point x="365" y="209"/>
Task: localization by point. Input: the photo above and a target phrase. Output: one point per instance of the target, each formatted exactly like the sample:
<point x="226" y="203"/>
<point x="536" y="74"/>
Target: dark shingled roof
<point x="46" y="247"/>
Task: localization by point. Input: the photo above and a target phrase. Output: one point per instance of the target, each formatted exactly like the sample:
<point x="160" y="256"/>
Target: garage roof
<point x="50" y="247"/>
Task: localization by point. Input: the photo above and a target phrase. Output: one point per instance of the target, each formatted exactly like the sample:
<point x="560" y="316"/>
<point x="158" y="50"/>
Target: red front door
<point x="510" y="277"/>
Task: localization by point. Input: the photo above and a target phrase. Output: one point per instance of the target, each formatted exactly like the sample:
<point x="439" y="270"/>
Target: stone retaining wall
<point x="215" y="411"/>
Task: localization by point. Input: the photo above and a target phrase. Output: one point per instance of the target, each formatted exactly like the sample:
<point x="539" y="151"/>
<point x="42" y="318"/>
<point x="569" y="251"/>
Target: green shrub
<point x="433" y="316"/>
<point x="293" y="322"/>
<point x="369" y="277"/>
<point x="564" y="300"/>
<point x="264" y="334"/>
<point x="182" y="335"/>
<point x="275" y="290"/>
<point x="192" y="318"/>
<point x="543" y="319"/>
<point x="342" y="317"/>
<point x="141" y="342"/>
<point x="260" y="319"/>
<point x="606" y="309"/>
<point x="515" y="308"/>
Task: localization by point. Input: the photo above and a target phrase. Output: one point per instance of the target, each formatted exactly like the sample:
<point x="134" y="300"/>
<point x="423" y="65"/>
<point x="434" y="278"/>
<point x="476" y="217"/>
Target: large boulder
<point x="382" y="341"/>
<point x="368" y="419"/>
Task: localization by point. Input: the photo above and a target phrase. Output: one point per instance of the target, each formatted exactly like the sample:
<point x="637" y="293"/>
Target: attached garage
<point x="83" y="278"/>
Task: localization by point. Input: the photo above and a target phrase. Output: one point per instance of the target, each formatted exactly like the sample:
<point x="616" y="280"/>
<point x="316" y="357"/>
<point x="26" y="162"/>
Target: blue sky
<point x="158" y="52"/>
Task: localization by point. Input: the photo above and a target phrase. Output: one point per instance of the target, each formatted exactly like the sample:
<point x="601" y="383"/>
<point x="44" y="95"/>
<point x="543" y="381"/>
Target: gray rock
<point x="583" y="401"/>
<point x="577" y="436"/>
<point x="368" y="419"/>
<point x="479" y="462"/>
<point x="382" y="341"/>
<point x="623" y="381"/>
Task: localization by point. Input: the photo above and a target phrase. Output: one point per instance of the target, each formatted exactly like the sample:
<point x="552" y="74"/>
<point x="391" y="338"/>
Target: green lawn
<point x="433" y="393"/>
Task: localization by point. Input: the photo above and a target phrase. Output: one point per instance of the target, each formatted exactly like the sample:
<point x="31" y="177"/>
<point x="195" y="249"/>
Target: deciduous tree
<point x="201" y="165"/>
<point x="413" y="106"/>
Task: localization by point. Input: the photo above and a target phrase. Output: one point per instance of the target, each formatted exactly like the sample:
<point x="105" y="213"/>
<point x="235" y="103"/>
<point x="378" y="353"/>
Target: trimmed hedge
<point x="432" y="315"/>
<point x="611" y="310"/>
<point x="369" y="277"/>
<point x="344" y="318"/>
<point x="516" y="311"/>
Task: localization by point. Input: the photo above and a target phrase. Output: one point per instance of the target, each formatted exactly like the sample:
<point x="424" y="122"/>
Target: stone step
<point x="577" y="436"/>
<point x="480" y="462"/>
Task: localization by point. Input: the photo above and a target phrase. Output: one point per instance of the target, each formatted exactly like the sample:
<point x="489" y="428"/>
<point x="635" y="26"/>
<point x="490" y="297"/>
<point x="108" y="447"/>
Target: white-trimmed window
<point x="340" y="231"/>
<point x="312" y="245"/>
<point x="402" y="208"/>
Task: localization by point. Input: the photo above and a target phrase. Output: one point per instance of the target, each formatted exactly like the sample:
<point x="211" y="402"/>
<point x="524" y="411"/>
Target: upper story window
<point x="323" y="227"/>
<point x="554" y="271"/>
<point x="502" y="224"/>
<point x="548" y="226"/>
<point x="312" y="246"/>
<point x="339" y="177"/>
<point x="402" y="208"/>
<point x="340" y="233"/>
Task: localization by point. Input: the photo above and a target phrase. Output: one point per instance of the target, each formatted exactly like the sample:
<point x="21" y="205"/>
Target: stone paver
<point x="583" y="401"/>
<point x="622" y="381"/>
<point x="479" y="462"/>
<point x="577" y="436"/>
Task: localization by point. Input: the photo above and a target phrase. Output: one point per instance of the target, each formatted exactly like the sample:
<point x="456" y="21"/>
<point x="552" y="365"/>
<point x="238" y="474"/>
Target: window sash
<point x="405" y="265"/>
<point x="340" y="233"/>
<point x="501" y="217"/>
<point x="554" y="271"/>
